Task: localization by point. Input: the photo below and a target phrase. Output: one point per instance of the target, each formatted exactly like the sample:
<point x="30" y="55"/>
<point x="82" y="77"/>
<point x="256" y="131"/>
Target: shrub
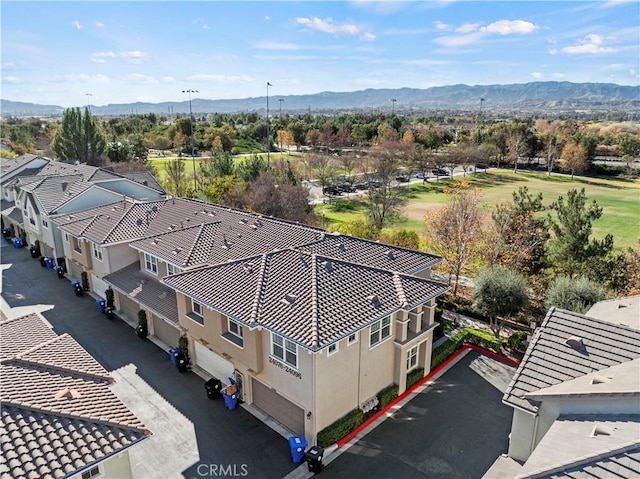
<point x="446" y="349"/>
<point x="85" y="280"/>
<point x="483" y="339"/>
<point x="183" y="345"/>
<point x="515" y="340"/>
<point x="339" y="429"/>
<point x="414" y="376"/>
<point x="109" y="295"/>
<point x="387" y="395"/>
<point x="576" y="295"/>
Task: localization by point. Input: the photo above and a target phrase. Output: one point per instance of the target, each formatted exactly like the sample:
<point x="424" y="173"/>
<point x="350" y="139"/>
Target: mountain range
<point x="523" y="97"/>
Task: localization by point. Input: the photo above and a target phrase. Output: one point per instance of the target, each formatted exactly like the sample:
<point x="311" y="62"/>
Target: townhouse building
<point x="311" y="325"/>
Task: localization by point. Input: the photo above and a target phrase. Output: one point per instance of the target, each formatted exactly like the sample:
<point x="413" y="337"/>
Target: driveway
<point x="193" y="436"/>
<point x="455" y="428"/>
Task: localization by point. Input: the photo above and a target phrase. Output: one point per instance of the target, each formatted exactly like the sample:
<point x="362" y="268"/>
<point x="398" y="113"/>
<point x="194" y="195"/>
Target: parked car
<point x="346" y="188"/>
<point x="482" y="166"/>
<point x="331" y="190"/>
<point x="374" y="184"/>
<point x="361" y="186"/>
<point x="420" y="175"/>
<point x="440" y="172"/>
<point x="402" y="178"/>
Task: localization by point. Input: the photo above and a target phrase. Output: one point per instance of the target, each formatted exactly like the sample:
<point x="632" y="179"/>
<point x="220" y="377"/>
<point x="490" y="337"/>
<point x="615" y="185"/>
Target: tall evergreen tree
<point x="79" y="138"/>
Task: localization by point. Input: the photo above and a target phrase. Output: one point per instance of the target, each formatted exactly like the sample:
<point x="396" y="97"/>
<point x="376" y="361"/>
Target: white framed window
<point x="353" y="338"/>
<point x="380" y="330"/>
<point x="93" y="472"/>
<point x="197" y="312"/>
<point x="332" y="349"/>
<point x="235" y="328"/>
<point x="97" y="251"/>
<point x="284" y="350"/>
<point x="412" y="358"/>
<point x="45" y="223"/>
<point x="66" y="237"/>
<point x="150" y="263"/>
<point x="171" y="269"/>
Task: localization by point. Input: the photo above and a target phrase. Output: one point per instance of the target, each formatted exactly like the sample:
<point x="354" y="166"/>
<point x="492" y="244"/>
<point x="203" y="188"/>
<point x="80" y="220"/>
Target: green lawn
<point x="619" y="199"/>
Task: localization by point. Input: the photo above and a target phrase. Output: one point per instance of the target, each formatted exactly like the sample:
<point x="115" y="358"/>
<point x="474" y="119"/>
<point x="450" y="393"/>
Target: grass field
<point x="619" y="199"/>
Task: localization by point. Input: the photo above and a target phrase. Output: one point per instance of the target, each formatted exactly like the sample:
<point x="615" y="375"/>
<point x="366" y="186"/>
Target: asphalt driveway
<point x="194" y="436"/>
<point x="455" y="429"/>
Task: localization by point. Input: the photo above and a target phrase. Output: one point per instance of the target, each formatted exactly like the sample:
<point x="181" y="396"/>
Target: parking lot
<point x="193" y="436"/>
<point x="455" y="428"/>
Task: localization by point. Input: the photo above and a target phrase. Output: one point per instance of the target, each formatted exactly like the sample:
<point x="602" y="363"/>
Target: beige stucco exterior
<point x="117" y="466"/>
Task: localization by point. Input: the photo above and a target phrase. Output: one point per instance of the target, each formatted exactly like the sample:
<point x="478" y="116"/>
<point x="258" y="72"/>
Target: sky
<point x="98" y="53"/>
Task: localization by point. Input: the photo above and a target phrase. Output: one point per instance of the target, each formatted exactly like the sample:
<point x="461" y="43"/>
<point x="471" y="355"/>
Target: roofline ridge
<point x="119" y="222"/>
<point x="591" y="318"/>
<point x="18" y="318"/>
<point x="253" y="317"/>
<point x="195" y="241"/>
<point x="74" y="372"/>
<point x="315" y="321"/>
<point x="541" y="473"/>
<point x="397" y="281"/>
<point x="79" y="417"/>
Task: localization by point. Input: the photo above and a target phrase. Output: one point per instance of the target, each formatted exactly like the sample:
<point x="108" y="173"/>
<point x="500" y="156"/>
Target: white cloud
<point x="370" y="82"/>
<point x="368" y="37"/>
<point x="459" y="40"/>
<point x="271" y="45"/>
<point x="10" y="80"/>
<point x="557" y="76"/>
<point x="553" y="51"/>
<point x="8" y="66"/>
<point x="508" y="27"/>
<point x="205" y="27"/>
<point x="99" y="25"/>
<point x="167" y="80"/>
<point x="267" y="18"/>
<point x="467" y="27"/>
<point x="135" y="57"/>
<point x="328" y="25"/>
<point x="78" y="78"/>
<point x="224" y="80"/>
<point x="140" y="79"/>
<point x="536" y="75"/>
<point x="76" y="24"/>
<point x="441" y="26"/>
<point x="591" y="43"/>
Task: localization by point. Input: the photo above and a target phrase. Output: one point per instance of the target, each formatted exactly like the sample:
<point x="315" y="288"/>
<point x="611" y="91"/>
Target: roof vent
<point x="162" y="295"/>
<point x="341" y="247"/>
<point x="243" y="221"/>
<point x="177" y="251"/>
<point x="598" y="379"/>
<point x="602" y="430"/>
<point x="248" y="267"/>
<point x="155" y="241"/>
<point x="389" y="254"/>
<point x="154" y="209"/>
<point x="328" y="266"/>
<point x="68" y="393"/>
<point x="225" y="243"/>
<point x="64" y="186"/>
<point x="289" y="299"/>
<point x="375" y="301"/>
<point x="574" y="342"/>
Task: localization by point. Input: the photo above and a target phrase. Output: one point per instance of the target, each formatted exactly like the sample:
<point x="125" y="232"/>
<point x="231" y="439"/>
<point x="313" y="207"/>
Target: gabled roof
<point x="145" y="178"/>
<point x="58" y="413"/>
<point x="53" y="191"/>
<point x="89" y="173"/>
<point x="9" y="165"/>
<point x="619" y="310"/>
<point x="587" y="446"/>
<point x="566" y="346"/>
<point x="8" y="209"/>
<point x="311" y="299"/>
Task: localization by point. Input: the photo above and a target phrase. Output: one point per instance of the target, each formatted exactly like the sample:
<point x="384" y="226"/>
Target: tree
<point x="570" y="249"/>
<point x="550" y="148"/>
<point x="455" y="230"/>
<point x="516" y="147"/>
<point x="79" y="138"/>
<point x="574" y="158"/>
<point x="323" y="168"/>
<point x="400" y="237"/>
<point x="176" y="176"/>
<point x="499" y="293"/>
<point x="576" y="295"/>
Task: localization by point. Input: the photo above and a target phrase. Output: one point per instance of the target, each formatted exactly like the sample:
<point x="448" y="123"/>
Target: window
<point x="197" y="312"/>
<point x="93" y="472"/>
<point x="45" y="223"/>
<point x="380" y="330"/>
<point x="171" y="269"/>
<point x="97" y="252"/>
<point x="66" y="237"/>
<point x="235" y="328"/>
<point x="352" y="338"/>
<point x="332" y="349"/>
<point x="77" y="246"/>
<point x="150" y="263"/>
<point x="412" y="358"/>
<point x="234" y="333"/>
<point x="284" y="350"/>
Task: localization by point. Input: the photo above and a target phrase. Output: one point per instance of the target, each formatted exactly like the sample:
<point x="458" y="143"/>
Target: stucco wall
<point x="521" y="438"/>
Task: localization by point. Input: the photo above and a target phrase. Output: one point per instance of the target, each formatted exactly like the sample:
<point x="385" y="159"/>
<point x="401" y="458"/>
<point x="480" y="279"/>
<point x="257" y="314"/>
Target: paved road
<point x="454" y="429"/>
<point x="193" y="436"/>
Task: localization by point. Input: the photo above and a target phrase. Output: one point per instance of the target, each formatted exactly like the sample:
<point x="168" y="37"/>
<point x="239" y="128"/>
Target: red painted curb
<point x="432" y="373"/>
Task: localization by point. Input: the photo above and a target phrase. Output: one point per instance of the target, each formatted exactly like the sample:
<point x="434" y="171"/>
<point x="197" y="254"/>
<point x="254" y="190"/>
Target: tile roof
<point x="9" y="209"/>
<point x="587" y="446"/>
<point x="620" y="310"/>
<point x="140" y="287"/>
<point x="89" y="173"/>
<point x="311" y="299"/>
<point x="568" y="345"/>
<point x="53" y="191"/>
<point x="58" y="413"/>
<point x="9" y="165"/>
<point x="145" y="178"/>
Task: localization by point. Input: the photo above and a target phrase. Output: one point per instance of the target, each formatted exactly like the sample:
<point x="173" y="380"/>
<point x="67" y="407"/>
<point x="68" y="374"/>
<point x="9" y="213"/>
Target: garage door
<point x="279" y="408"/>
<point x="165" y="331"/>
<point x="213" y="363"/>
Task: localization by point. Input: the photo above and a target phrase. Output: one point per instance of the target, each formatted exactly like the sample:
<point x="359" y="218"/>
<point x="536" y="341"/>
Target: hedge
<point x="387" y="395"/>
<point x="455" y="342"/>
<point x="414" y="376"/>
<point x="339" y="429"/>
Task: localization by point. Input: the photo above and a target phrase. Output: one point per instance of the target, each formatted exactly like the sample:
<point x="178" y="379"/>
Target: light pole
<point x="280" y="100"/>
<point x="193" y="156"/>
<point x="393" y="106"/>
<point x="268" y="124"/>
<point x="88" y="95"/>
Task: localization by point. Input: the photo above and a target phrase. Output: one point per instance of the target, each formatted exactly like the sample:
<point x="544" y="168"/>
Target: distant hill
<point x="535" y="96"/>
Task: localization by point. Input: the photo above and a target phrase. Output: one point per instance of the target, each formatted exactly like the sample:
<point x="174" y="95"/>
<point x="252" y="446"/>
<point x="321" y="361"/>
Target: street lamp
<point x="193" y="155"/>
<point x="393" y="106"/>
<point x="268" y="124"/>
<point x="280" y="100"/>
<point x="89" y="101"/>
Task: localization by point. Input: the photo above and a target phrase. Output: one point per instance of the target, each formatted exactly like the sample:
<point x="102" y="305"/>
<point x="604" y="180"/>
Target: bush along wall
<point x="339" y="429"/>
<point x="387" y="395"/>
<point x="479" y="338"/>
<point x="414" y="376"/>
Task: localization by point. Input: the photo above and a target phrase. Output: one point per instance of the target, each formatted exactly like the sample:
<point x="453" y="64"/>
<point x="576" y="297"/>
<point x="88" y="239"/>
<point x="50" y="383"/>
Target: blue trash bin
<point x="230" y="395"/>
<point x="102" y="304"/>
<point x="298" y="445"/>
<point x="17" y="242"/>
<point x="48" y="261"/>
<point x="173" y="355"/>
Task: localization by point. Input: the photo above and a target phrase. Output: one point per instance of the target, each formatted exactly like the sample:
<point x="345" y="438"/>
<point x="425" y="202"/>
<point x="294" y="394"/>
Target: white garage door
<point x="213" y="363"/>
<point x="279" y="408"/>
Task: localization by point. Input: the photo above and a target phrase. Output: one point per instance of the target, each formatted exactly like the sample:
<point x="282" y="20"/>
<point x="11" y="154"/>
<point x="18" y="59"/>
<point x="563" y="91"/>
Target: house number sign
<point x="291" y="371"/>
